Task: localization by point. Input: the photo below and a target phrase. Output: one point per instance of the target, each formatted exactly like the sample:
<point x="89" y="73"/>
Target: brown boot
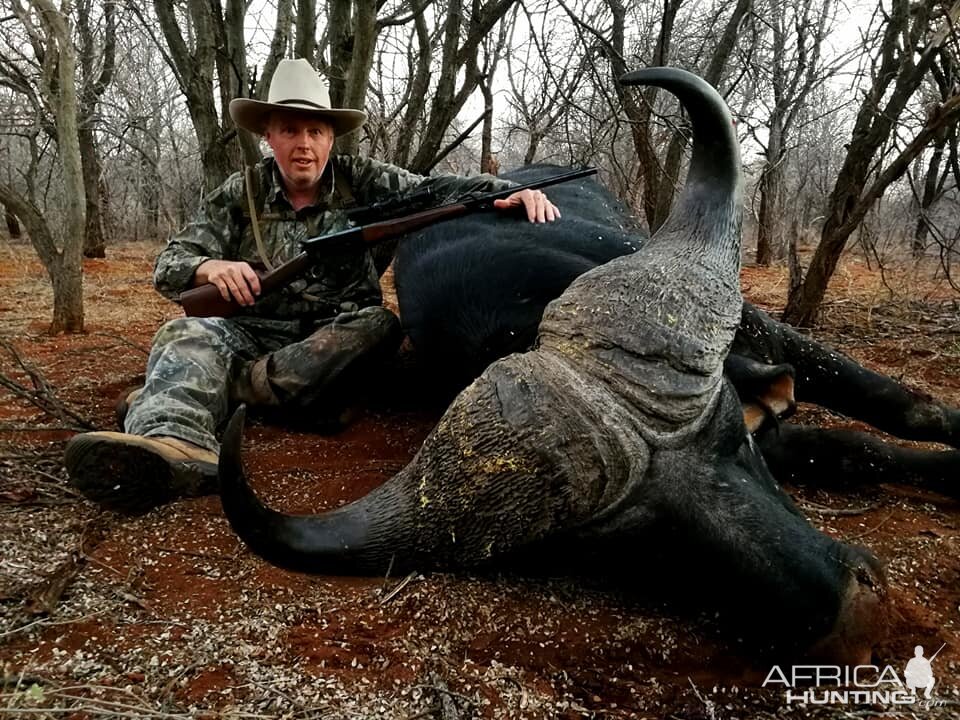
<point x="133" y="474"/>
<point x="122" y="406"/>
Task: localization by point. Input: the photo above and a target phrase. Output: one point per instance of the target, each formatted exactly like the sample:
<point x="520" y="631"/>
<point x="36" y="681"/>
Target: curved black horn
<point x="336" y="542"/>
<point x="716" y="151"/>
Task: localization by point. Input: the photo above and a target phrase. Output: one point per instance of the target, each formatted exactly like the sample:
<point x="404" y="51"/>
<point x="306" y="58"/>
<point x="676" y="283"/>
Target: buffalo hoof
<point x="862" y="619"/>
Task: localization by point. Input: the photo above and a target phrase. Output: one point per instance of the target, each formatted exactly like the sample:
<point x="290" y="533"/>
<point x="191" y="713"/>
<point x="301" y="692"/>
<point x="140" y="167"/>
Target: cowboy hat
<point x="295" y="86"/>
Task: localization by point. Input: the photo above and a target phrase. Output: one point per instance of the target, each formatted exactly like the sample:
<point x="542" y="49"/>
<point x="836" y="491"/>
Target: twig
<point x="141" y="712"/>
<point x="49" y="591"/>
<point x="124" y="340"/>
<point x="20" y="629"/>
<point x="17" y="680"/>
<point x="421" y="714"/>
<point x="871" y="530"/>
<point x="168" y="688"/>
<point x="708" y="705"/>
<point x="383" y="588"/>
<point x="13" y="427"/>
<point x="299" y="706"/>
<point x="49" y="623"/>
<point x="130" y="597"/>
<point x="55" y="482"/>
<point x="824" y="510"/>
<point x="447" y="691"/>
<point x="42" y="396"/>
<point x="397" y="588"/>
<point x="191" y="553"/>
<point x="37" y="455"/>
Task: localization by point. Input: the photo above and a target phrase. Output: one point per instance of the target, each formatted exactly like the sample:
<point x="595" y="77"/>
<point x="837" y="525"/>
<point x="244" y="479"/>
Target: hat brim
<point x="253" y="115"/>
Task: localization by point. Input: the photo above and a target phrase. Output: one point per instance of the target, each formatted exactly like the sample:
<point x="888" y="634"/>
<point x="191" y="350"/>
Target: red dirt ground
<point x="168" y="615"/>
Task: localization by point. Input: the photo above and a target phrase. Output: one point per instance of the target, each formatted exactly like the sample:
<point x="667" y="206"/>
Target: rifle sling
<point x="255" y="196"/>
<point x="254" y="220"/>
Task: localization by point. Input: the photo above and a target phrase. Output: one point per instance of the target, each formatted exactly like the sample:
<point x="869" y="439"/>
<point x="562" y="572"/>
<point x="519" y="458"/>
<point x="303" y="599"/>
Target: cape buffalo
<point x="620" y="426"/>
<point x="473" y="290"/>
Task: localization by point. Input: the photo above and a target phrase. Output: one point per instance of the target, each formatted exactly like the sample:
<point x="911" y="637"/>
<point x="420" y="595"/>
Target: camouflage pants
<point x="194" y="362"/>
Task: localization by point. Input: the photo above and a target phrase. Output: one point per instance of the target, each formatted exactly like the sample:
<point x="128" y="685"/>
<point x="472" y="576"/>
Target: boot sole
<point x="132" y="479"/>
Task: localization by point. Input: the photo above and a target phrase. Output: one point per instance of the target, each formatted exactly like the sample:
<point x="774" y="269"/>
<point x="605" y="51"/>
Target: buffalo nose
<point x="862" y="617"/>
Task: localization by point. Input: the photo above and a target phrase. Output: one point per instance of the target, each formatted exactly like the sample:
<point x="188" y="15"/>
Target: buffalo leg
<point x="808" y="455"/>
<point x="829" y="378"/>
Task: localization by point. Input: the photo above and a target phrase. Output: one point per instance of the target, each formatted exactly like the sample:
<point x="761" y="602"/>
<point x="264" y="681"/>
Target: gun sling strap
<point x="256" y="197"/>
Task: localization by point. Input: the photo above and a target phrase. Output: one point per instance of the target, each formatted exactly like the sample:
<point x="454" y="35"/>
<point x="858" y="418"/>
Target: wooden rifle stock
<point x="206" y="300"/>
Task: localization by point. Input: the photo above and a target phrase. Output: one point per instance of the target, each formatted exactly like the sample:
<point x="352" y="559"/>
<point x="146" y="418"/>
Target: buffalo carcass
<point x="474" y="290"/>
<point x="619" y="426"/>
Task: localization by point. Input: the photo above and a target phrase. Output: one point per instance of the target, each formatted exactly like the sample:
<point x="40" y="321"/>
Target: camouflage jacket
<point x="222" y="231"/>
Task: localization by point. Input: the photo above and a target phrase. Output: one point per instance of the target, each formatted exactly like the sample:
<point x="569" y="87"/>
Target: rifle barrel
<point x="206" y="300"/>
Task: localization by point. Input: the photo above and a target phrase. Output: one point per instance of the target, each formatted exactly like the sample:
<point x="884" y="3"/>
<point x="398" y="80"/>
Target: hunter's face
<point x="301" y="145"/>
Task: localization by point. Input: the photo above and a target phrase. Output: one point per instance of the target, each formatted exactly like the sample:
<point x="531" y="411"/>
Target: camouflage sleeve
<point x="213" y="234"/>
<point x="373" y="181"/>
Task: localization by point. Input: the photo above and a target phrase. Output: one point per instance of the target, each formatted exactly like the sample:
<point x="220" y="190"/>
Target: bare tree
<point x="792" y="68"/>
<point x="213" y="54"/>
<point x="896" y="77"/>
<point x="94" y="82"/>
<point x="660" y="179"/>
<point x="463" y="32"/>
<point x="934" y="178"/>
<point x="50" y="36"/>
<point x="13" y="225"/>
<point x="544" y="76"/>
<point x="418" y="56"/>
<point x="305" y="43"/>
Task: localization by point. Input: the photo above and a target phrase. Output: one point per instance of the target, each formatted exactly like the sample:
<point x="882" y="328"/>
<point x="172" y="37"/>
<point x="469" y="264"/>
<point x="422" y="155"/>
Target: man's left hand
<point x="538" y="207"/>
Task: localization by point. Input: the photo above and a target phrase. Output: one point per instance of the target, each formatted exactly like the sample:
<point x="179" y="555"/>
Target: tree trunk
<point x="94" y="244"/>
<point x="660" y="181"/>
<point x="919" y="244"/>
<point x="67" y="270"/>
<point x="769" y="238"/>
<point x="419" y="58"/>
<point x="195" y="73"/>
<point x="341" y="53"/>
<point x="459" y="59"/>
<point x="234" y="81"/>
<point x="305" y="41"/>
<point x="13" y="225"/>
<point x="669" y="177"/>
<point x="487" y="162"/>
<point x="793" y="257"/>
<point x="278" y="47"/>
<point x="67" y="279"/>
<point x="639" y="113"/>
<point x="363" y="45"/>
<point x="149" y="192"/>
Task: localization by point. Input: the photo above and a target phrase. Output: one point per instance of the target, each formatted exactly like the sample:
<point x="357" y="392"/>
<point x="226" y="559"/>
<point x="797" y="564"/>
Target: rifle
<point x="934" y="656"/>
<point x="206" y="300"/>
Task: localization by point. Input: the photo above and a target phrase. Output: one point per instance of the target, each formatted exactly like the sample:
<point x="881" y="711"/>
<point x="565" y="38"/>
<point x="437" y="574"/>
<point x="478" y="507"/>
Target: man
<point x="305" y="348"/>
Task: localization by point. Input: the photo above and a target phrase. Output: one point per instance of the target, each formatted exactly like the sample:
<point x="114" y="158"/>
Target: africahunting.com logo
<point x="858" y="685"/>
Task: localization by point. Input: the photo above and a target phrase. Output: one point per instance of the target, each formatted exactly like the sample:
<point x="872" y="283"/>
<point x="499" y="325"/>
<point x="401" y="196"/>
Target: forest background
<point x="113" y="115"/>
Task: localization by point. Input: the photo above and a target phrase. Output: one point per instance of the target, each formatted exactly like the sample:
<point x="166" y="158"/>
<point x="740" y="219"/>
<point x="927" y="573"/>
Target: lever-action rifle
<point x="206" y="300"/>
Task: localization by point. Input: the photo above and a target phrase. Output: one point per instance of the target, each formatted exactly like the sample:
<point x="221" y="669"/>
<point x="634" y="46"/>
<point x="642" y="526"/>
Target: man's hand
<point x="538" y="207"/>
<point x="233" y="279"/>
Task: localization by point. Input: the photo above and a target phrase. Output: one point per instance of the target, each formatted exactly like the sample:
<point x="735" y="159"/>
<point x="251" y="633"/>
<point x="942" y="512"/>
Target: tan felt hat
<point x="295" y="86"/>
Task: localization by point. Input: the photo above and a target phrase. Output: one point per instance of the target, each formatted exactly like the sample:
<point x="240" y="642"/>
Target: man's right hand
<point x="233" y="279"/>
